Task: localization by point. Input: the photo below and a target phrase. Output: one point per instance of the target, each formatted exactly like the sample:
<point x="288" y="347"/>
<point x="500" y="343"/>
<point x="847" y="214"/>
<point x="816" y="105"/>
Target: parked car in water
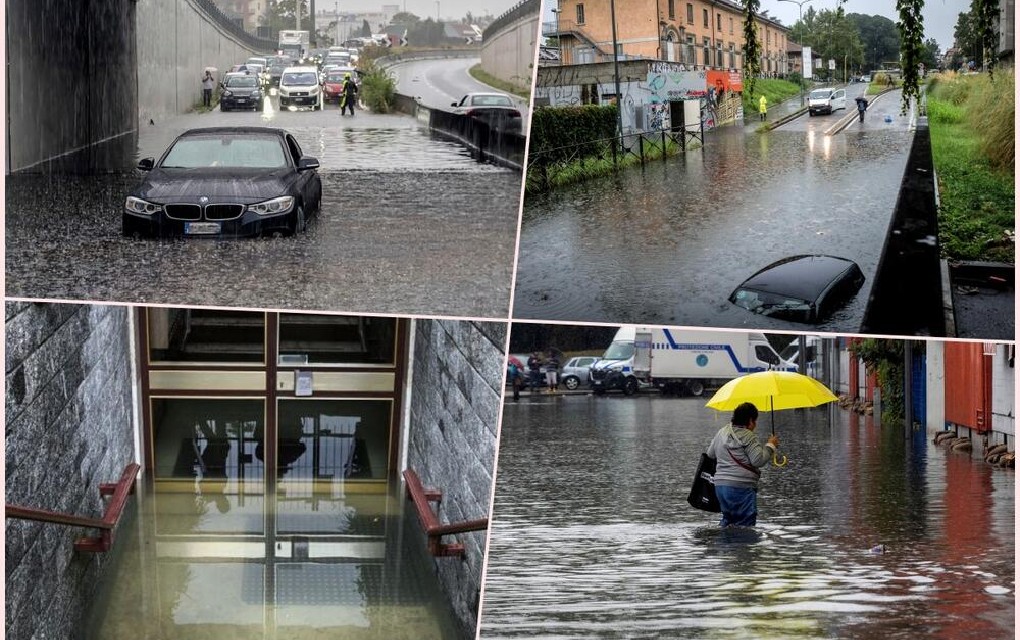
<point x="299" y="87"/>
<point x="577" y="371"/>
<point x="241" y="92"/>
<point x="805" y="289"/>
<point x="495" y="109"/>
<point x="224" y="182"/>
<point x="826" y="100"/>
<point x="276" y="70"/>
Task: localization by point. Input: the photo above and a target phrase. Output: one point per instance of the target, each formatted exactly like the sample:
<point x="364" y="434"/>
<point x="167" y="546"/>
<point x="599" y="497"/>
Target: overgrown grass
<point x="775" y="91"/>
<point x="560" y="175"/>
<point x="972" y="129"/>
<point x="480" y="75"/>
<point x="377" y="88"/>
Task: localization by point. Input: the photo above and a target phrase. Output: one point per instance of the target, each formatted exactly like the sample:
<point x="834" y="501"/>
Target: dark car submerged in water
<point x="225" y="182"/>
<point x="805" y="289"/>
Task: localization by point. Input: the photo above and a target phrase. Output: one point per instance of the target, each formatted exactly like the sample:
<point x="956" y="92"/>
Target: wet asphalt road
<point x="669" y="242"/>
<point x="441" y="82"/>
<point x="409" y="224"/>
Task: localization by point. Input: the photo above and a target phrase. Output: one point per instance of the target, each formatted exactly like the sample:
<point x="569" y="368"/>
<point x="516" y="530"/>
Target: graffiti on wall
<point x="677" y="85"/>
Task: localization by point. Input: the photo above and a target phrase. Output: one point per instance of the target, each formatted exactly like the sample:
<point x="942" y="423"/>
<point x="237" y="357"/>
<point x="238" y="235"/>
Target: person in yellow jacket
<point x="763" y="107"/>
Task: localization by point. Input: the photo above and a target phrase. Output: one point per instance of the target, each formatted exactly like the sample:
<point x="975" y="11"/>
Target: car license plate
<point x="201" y="228"/>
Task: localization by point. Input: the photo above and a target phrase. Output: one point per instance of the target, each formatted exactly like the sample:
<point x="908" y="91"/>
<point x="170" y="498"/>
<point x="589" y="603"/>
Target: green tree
<point x="833" y="35"/>
<point x="405" y="18"/>
<point x="879" y="38"/>
<point x="966" y="38"/>
<point x="752" y="47"/>
<point x="932" y="54"/>
<point x="366" y="29"/>
<point x="283" y="15"/>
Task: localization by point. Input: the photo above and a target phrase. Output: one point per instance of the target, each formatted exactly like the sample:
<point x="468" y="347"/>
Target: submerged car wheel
<point x="696" y="388"/>
<point x="300" y="223"/>
<point x="571" y="382"/>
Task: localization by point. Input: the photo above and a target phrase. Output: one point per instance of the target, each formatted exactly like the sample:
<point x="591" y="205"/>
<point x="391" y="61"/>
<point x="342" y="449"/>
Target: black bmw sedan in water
<point x="225" y="182"/>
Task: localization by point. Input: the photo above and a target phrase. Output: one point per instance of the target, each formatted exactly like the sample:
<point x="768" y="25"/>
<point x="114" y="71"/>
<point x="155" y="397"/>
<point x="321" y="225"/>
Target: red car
<point x="333" y="84"/>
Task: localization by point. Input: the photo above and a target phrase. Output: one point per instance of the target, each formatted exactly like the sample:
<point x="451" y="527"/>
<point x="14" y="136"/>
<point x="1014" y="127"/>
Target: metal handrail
<point x="119" y="492"/>
<point x="433" y="529"/>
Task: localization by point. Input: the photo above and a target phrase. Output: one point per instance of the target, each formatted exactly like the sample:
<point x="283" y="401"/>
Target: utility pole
<point x="337" y="15"/>
<point x="616" y="75"/>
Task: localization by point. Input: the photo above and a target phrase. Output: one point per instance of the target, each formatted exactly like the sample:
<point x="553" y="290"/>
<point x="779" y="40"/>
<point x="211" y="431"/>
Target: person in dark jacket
<point x="348" y="94"/>
<point x="862" y="106"/>
<point x="739" y="457"/>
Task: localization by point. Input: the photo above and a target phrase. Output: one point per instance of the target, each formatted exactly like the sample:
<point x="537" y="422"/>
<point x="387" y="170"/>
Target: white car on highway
<point x="299" y="86"/>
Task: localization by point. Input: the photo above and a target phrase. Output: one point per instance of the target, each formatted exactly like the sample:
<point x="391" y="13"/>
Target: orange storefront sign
<point x="725" y="81"/>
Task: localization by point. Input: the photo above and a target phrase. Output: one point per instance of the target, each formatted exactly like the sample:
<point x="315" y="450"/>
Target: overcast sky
<point x="939" y="15"/>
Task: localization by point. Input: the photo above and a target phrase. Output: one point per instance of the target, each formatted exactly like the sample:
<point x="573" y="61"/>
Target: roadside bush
<point x="991" y="108"/>
<point x="943" y="112"/>
<point x="559" y="133"/>
<point x="378" y="89"/>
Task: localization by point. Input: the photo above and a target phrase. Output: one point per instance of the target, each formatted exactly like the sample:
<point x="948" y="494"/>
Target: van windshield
<point x="620" y="350"/>
<point x="820" y="94"/>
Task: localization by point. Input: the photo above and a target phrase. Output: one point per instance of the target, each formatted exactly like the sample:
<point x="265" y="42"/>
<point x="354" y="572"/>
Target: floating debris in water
<point x="879" y="548"/>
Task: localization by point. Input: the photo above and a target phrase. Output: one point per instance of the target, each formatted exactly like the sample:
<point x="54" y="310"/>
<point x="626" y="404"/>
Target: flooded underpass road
<point x="409" y="224"/>
<point x="668" y="243"/>
<point x="592" y="536"/>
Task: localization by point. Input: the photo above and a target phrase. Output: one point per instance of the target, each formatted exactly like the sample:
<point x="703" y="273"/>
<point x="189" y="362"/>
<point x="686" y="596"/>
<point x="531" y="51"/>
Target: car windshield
<point x="820" y="94"/>
<point x="619" y="350"/>
<point x="239" y="81"/>
<point x="770" y="304"/>
<point x="226" y="151"/>
<point x="491" y="101"/>
<point x="300" y="78"/>
<point x="335" y="77"/>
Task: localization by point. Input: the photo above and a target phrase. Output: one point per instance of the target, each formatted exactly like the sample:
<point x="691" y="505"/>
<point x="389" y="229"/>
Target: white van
<point x="826" y="100"/>
<point x="299" y="86"/>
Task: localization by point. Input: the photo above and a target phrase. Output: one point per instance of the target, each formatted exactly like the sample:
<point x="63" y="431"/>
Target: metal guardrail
<point x="518" y="11"/>
<point x="119" y="492"/>
<point x="433" y="529"/>
<point x="256" y="43"/>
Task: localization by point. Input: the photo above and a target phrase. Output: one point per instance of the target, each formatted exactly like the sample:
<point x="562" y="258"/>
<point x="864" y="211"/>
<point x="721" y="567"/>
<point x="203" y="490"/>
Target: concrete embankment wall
<point x="70" y="77"/>
<point x="456" y="390"/>
<point x="510" y="42"/>
<point x="69" y="428"/>
<point x="176" y="42"/>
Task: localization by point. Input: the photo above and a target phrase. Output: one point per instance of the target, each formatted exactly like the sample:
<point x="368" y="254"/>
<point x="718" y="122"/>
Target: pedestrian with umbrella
<point x="738" y="453"/>
<point x="862" y="106"/>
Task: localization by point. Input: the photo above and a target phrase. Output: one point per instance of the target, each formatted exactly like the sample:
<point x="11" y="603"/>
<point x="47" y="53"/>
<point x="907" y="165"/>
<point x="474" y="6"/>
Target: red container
<point x="968" y="385"/>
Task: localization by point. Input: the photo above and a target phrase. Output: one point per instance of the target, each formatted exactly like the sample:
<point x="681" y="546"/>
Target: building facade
<point x="699" y="34"/>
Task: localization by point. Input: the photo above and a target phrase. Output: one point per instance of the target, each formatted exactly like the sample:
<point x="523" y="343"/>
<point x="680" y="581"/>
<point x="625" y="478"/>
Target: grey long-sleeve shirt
<point x="732" y="444"/>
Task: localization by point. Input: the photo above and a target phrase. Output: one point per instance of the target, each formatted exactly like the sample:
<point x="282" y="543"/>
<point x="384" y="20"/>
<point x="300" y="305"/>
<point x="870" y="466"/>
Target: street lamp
<point x="437" y="11"/>
<point x="800" y="7"/>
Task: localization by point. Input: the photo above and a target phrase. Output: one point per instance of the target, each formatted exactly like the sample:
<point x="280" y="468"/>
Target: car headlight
<point x="269" y="207"/>
<point x="227" y="94"/>
<point x="256" y="94"/>
<point x="137" y="205"/>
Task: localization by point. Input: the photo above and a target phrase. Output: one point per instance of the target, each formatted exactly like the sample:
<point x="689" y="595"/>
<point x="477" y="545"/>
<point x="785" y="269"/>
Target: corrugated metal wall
<point x="968" y="385"/>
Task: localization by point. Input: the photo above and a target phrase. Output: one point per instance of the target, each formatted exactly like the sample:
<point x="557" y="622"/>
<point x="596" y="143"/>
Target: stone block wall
<point x="455" y="401"/>
<point x="69" y="427"/>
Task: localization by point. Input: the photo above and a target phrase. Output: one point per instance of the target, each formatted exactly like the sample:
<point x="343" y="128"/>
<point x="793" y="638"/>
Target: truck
<point x="294" y="43"/>
<point x="681" y="362"/>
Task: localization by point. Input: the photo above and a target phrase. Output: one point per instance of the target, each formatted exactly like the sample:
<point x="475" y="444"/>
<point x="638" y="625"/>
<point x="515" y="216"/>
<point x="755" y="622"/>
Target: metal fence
<point x="520" y="10"/>
<point x="229" y="25"/>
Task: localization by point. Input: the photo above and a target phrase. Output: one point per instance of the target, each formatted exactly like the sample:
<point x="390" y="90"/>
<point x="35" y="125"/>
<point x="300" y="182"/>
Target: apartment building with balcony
<point x="699" y="34"/>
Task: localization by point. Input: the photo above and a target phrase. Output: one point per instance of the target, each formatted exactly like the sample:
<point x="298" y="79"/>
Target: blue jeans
<point x="739" y="505"/>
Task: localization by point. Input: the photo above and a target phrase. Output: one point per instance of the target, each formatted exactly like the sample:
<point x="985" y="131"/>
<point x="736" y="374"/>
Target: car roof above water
<point x="804" y="277"/>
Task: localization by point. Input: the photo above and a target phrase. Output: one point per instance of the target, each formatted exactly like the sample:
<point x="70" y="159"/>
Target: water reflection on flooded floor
<point x="592" y="536"/>
<point x="231" y="588"/>
<point x="668" y="243"/>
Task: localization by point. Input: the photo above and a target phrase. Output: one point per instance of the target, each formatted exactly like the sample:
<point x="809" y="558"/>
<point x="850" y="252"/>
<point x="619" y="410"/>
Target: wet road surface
<point x="440" y="82"/>
<point x="592" y="536"/>
<point x="668" y="243"/>
<point x="409" y="224"/>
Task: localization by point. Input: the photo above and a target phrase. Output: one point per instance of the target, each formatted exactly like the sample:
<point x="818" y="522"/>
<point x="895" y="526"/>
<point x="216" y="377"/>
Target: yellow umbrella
<point x="771" y="391"/>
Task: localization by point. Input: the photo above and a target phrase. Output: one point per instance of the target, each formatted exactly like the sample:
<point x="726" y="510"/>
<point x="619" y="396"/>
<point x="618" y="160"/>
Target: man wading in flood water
<point x="739" y="457"/>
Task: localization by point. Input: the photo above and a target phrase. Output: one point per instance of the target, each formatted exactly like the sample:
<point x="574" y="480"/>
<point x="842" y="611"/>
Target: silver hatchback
<point x="577" y="370"/>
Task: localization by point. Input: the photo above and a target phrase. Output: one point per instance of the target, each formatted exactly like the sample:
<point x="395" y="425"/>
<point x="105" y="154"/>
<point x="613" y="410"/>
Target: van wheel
<point x="629" y="387"/>
<point x="696" y="388"/>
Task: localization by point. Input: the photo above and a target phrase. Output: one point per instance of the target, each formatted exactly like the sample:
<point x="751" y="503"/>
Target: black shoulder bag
<point x="702" y="494"/>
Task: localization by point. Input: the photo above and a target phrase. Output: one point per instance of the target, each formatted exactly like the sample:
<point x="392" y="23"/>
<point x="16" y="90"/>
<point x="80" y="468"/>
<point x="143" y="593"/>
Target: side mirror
<point x="146" y="164"/>
<point x="307" y="163"/>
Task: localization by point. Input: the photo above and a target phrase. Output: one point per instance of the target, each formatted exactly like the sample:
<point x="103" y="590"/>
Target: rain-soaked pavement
<point x="409" y="224"/>
<point x="439" y="85"/>
<point x="667" y="243"/>
<point x="592" y="536"/>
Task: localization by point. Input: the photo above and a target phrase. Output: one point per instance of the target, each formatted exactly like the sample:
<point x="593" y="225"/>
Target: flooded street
<point x="668" y="243"/>
<point x="408" y="224"/>
<point x="592" y="536"/>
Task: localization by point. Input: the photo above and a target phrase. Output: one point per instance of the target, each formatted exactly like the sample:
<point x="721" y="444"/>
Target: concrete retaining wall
<point x="509" y="54"/>
<point x="70" y="78"/>
<point x="69" y="427"/>
<point x="457" y="384"/>
<point x="176" y="42"/>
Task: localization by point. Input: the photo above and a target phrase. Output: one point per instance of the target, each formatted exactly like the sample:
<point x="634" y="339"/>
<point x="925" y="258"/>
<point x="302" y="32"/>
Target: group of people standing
<point x="542" y="370"/>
